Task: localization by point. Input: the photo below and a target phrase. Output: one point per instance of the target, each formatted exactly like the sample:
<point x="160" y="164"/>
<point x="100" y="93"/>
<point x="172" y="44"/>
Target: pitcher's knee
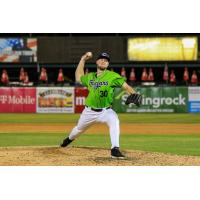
<point x="113" y="121"/>
<point x="117" y="122"/>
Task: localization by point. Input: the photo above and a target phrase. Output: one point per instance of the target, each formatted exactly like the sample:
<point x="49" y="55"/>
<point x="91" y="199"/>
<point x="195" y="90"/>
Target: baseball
<point x="89" y="54"/>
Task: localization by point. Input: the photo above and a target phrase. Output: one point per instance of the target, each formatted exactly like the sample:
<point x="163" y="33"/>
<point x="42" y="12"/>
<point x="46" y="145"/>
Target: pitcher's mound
<point x="87" y="156"/>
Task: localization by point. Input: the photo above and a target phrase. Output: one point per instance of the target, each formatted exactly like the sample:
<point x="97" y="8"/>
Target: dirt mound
<point x="76" y="156"/>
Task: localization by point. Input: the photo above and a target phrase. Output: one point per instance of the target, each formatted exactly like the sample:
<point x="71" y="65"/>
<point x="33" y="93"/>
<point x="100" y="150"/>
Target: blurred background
<point x="37" y="71"/>
<point x="145" y="59"/>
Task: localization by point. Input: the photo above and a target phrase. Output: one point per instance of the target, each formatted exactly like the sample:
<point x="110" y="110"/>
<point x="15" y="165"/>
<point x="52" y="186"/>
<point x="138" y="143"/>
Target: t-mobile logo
<point x="3" y="99"/>
<point x="16" y="99"/>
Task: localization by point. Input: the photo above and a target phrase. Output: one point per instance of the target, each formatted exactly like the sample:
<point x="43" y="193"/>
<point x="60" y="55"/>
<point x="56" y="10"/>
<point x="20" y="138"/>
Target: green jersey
<point x="101" y="88"/>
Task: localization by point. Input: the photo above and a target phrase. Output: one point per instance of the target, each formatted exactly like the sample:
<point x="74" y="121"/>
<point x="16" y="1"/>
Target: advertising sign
<point x="17" y="100"/>
<point x="80" y="96"/>
<point x="155" y="99"/>
<point x="194" y="99"/>
<point x="55" y="100"/>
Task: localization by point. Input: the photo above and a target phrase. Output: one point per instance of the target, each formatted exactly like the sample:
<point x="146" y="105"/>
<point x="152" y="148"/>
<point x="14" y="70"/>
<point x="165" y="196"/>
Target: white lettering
<point x="156" y="102"/>
<point x="175" y="101"/>
<point x="168" y="101"/>
<point x="3" y="99"/>
<point x="181" y="100"/>
<point x="80" y="101"/>
<point x="20" y="100"/>
<point x="124" y="98"/>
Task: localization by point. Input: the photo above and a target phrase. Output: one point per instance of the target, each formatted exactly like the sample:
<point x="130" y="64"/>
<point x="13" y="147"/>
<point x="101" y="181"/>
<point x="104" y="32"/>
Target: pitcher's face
<point x="102" y="63"/>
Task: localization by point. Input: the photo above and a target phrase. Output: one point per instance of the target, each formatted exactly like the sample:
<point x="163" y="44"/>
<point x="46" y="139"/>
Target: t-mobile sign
<point x="17" y="100"/>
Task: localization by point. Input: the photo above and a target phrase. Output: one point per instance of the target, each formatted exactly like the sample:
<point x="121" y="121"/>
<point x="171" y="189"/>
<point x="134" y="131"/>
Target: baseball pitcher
<point x="98" y="105"/>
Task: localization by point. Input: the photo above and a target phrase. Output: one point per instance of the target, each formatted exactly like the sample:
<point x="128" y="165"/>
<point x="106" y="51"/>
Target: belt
<point x="98" y="109"/>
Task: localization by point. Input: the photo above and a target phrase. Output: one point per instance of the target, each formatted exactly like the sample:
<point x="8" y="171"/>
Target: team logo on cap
<point x="104" y="55"/>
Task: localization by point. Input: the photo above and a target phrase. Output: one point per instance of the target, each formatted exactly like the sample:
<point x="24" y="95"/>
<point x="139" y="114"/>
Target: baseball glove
<point x="134" y="98"/>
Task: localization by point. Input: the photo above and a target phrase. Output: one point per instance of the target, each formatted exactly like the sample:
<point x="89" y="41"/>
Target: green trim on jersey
<point x="101" y="88"/>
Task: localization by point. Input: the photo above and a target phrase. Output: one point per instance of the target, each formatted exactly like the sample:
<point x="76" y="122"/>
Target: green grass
<point x="30" y="139"/>
<point x="38" y="118"/>
<point x="174" y="144"/>
<point x="128" y="118"/>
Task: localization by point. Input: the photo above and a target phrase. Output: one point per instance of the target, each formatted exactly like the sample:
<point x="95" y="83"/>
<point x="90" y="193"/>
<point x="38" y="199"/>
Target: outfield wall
<point x="72" y="100"/>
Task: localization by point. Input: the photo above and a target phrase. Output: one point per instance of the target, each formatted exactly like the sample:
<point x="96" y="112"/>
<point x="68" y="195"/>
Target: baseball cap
<point x="104" y="55"/>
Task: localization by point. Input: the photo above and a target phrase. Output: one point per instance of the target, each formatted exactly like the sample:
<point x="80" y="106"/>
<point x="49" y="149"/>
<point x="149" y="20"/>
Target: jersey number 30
<point x="104" y="93"/>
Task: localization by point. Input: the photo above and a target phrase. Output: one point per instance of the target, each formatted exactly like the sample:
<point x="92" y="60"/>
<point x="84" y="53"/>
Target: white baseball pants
<point x="90" y="117"/>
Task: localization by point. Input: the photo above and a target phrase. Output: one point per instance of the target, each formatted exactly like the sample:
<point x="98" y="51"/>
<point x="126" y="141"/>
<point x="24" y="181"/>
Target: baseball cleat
<point x="66" y="142"/>
<point x="115" y="153"/>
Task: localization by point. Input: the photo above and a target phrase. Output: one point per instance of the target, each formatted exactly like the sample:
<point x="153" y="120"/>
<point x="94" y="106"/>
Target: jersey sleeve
<point x="118" y="80"/>
<point x="84" y="80"/>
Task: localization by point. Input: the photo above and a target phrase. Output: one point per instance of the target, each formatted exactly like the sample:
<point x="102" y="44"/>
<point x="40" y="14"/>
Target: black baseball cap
<point x="104" y="55"/>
